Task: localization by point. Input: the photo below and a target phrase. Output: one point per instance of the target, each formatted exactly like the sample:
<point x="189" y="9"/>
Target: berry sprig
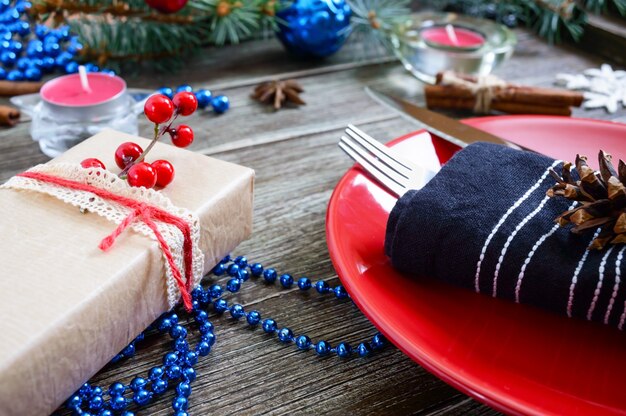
<point x="130" y="157"/>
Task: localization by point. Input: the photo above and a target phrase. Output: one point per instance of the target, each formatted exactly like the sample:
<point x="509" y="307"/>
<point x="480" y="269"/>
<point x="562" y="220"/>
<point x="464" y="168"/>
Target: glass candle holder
<point x="62" y="116"/>
<point x="428" y="43"/>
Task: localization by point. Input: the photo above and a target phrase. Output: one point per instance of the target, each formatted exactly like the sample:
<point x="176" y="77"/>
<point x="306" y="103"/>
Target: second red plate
<point x="513" y="357"/>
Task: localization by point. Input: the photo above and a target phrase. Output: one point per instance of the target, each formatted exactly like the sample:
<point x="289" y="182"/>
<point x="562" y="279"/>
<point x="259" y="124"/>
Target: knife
<point x="447" y="128"/>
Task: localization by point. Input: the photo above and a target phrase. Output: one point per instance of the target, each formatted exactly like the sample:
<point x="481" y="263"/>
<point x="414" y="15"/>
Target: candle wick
<point x="452" y="34"/>
<point x="84" y="81"/>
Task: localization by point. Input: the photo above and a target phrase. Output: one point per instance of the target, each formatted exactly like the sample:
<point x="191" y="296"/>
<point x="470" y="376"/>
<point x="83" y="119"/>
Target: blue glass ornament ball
<point x="315" y="28"/>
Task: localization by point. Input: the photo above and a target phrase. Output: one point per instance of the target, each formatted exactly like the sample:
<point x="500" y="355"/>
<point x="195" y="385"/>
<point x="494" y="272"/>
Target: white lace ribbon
<point x="116" y="213"/>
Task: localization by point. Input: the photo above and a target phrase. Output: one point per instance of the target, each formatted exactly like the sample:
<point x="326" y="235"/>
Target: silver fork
<point x="394" y="172"/>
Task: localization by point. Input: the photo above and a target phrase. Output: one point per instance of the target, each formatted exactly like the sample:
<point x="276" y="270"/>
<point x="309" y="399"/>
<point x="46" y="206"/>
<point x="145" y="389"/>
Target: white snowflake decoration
<point x="603" y="87"/>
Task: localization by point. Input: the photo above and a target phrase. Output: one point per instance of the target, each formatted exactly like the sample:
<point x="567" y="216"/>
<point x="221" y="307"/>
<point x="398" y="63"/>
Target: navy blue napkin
<point x="484" y="222"/>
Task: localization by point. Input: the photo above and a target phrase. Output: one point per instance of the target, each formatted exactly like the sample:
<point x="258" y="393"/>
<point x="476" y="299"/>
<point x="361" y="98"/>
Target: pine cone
<point x="602" y="198"/>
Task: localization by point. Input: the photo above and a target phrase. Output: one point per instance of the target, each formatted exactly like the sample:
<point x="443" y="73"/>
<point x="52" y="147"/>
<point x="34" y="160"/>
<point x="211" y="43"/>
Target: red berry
<point x="126" y="153"/>
<point x="167" y="6"/>
<point x="182" y="136"/>
<point x="142" y="174"/>
<point x="92" y="162"/>
<point x="185" y="102"/>
<point x="164" y="171"/>
<point x="158" y="108"/>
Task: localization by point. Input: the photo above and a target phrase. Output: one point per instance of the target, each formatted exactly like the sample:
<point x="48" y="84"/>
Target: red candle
<point x="452" y="37"/>
<point x="68" y="90"/>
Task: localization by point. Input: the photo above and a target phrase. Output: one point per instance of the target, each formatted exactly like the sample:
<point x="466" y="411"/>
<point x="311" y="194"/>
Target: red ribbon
<point x="140" y="212"/>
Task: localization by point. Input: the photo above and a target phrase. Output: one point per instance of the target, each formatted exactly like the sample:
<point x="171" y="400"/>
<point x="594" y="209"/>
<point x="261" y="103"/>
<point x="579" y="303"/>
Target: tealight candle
<point x="452" y="37"/>
<point x="67" y="95"/>
<point x="428" y="43"/>
<point x="74" y="107"/>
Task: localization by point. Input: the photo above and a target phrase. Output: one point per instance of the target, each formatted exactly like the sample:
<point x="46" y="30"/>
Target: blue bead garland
<point x="27" y="51"/>
<point x="177" y="370"/>
<point x="219" y="103"/>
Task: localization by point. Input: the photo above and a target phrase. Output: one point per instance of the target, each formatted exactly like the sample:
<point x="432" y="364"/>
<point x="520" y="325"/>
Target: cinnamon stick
<point x="513" y="94"/>
<point x="9" y="116"/>
<point x="506" y="107"/>
<point x="12" y="88"/>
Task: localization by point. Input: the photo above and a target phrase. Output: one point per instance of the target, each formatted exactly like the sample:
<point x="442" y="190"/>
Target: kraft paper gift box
<point x="67" y="307"/>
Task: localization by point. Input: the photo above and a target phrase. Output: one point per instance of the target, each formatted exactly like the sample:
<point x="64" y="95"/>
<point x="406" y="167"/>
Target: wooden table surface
<point x="297" y="162"/>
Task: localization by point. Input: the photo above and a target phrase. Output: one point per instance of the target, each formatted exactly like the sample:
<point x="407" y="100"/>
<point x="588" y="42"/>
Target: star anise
<point x="278" y="92"/>
<point x="601" y="197"/>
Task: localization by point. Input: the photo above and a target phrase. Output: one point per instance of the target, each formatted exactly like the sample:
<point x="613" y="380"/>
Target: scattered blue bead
<point x="92" y="68"/>
<point x="181" y="345"/>
<point x="96" y="391"/>
<point x="183" y="389"/>
<point x="204" y="98"/>
<point x="47" y="63"/>
<point x="74" y="401"/>
<point x="184" y="87"/>
<point x="138" y="383"/>
<point x="378" y="341"/>
<point x="210" y="338"/>
<point x="236" y="311"/>
<point x="117" y="389"/>
<point x="129" y="351"/>
<point x="206" y="327"/>
<point x="8" y="58"/>
<point x="364" y="349"/>
<point x="286" y="280"/>
<point x="3" y="73"/>
<point x="270" y="275"/>
<point x="178" y="331"/>
<point x="179" y="403"/>
<point x="304" y="283"/>
<point x="303" y="342"/>
<point x="85" y="390"/>
<point x="159" y="386"/>
<point x="203" y="348"/>
<point x="191" y="358"/>
<point x="344" y="350"/>
<point x="181" y="413"/>
<point x="233" y="285"/>
<point x="340" y="292"/>
<point x="173" y="371"/>
<point x="285" y="335"/>
<point x="117" y="402"/>
<point x="96" y="403"/>
<point x="226" y="259"/>
<point x="322" y="348"/>
<point x="322" y="287"/>
<point x="233" y="270"/>
<point x="52" y="49"/>
<point x="127" y="413"/>
<point x="220" y="104"/>
<point x="216" y="291"/>
<point x="244" y="275"/>
<point x="241" y="261"/>
<point x="256" y="269"/>
<point x="202" y="316"/>
<point x="170" y="358"/>
<point x="253" y="318"/>
<point x="220" y="306"/>
<point x="189" y="374"/>
<point x="71" y="67"/>
<point x="142" y="397"/>
<point x="269" y="326"/>
<point x="167" y="91"/>
<point x="219" y="269"/>
<point x="155" y="373"/>
<point x="165" y="324"/>
<point x="105" y="412"/>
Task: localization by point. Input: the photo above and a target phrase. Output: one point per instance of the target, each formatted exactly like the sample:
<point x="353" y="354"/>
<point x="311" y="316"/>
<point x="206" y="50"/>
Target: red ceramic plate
<point x="515" y="358"/>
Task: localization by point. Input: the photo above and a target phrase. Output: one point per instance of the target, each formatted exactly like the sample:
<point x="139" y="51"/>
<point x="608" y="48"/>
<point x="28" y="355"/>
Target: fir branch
<point x="373" y="20"/>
